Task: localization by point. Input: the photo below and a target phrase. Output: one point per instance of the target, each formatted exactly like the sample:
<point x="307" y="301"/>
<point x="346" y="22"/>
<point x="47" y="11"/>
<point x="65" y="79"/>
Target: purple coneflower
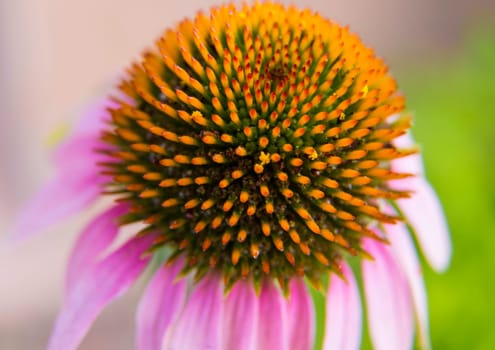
<point x="262" y="149"/>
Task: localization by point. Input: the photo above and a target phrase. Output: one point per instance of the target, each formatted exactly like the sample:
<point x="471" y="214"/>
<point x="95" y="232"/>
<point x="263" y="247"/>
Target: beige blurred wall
<point x="57" y="54"/>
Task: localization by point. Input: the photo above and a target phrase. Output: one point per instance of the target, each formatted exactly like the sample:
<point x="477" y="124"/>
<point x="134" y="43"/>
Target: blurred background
<point x="55" y="56"/>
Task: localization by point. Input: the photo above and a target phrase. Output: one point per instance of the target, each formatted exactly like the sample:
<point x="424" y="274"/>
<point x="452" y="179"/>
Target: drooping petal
<point x="301" y="316"/>
<point x="106" y="281"/>
<point x="388" y="299"/>
<point x="343" y="325"/>
<point x="405" y="253"/>
<point x="79" y="156"/>
<point x="199" y="325"/>
<point x="95" y="116"/>
<point x="411" y="164"/>
<point x="60" y="198"/>
<point x="77" y="181"/>
<point x="240" y="320"/>
<point x="273" y="323"/>
<point x="95" y="238"/>
<point x="424" y="212"/>
<point x="160" y="306"/>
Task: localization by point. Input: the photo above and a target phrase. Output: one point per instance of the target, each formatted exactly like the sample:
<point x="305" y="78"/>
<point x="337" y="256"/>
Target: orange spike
<point x="258" y="168"/>
<point x="254" y="250"/>
<point x="313" y="226"/>
<point x="149" y="194"/>
<point x="185" y="181"/>
<point x="228" y="205"/>
<point x="295" y="236"/>
<point x="251" y="210"/>
<point x="343" y="215"/>
<point x="265" y="228"/>
<point x="236" y="254"/>
<point x="234" y="219"/>
<point x="224" y="183"/>
<point x="264" y="190"/>
<point x="202" y="180"/>
<point x="206" y="244"/>
<point x="241" y="151"/>
<point x="325" y="233"/>
<point x="241" y="235"/>
<point x="138" y="169"/>
<point x="349" y="173"/>
<point x="328" y="207"/>
<point x="152" y="176"/>
<point x="226" y="237"/>
<point x="208" y="204"/>
<point x="216" y="222"/>
<point x="199" y="161"/>
<point x="192" y="203"/>
<point x="200" y="226"/>
<point x="287" y="148"/>
<point x="269" y="208"/>
<point x="287" y="193"/>
<point x="296" y="162"/>
<point x="279" y="244"/>
<point x="170" y="203"/>
<point x="244" y="197"/>
<point x="304" y="248"/>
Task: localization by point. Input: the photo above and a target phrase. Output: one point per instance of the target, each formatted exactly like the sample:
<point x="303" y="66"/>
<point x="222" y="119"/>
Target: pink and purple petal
<point x="199" y="325"/>
<point x="106" y="281"/>
<point x="405" y="253"/>
<point x="92" y="242"/>
<point x="388" y="299"/>
<point x="81" y="151"/>
<point x="424" y="212"/>
<point x="273" y="322"/>
<point x="301" y="316"/>
<point x="77" y="182"/>
<point x="160" y="306"/>
<point x="413" y="163"/>
<point x="94" y="117"/>
<point x="343" y="325"/>
<point x="79" y="156"/>
<point x="240" y="318"/>
<point x="59" y="199"/>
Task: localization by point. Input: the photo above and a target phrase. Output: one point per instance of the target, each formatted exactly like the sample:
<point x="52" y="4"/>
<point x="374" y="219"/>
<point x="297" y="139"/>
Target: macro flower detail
<point x="262" y="149"/>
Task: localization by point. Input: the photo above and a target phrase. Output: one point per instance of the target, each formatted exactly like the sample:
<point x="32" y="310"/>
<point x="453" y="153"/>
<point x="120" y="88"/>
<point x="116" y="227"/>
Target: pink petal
<point x="95" y="116"/>
<point x="388" y="299"/>
<point x="60" y="198"/>
<point x="240" y="318"/>
<point x="81" y="155"/>
<point x="199" y="326"/>
<point x="344" y="314"/>
<point x="106" y="281"/>
<point x="78" y="180"/>
<point x="301" y="316"/>
<point x="273" y="323"/>
<point x="411" y="164"/>
<point x="160" y="306"/>
<point x="405" y="254"/>
<point x="424" y="212"/>
<point x="94" y="239"/>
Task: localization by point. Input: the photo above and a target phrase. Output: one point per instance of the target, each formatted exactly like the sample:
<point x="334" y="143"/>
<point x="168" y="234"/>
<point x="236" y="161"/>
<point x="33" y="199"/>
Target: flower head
<point x="259" y="146"/>
<point x="258" y="142"/>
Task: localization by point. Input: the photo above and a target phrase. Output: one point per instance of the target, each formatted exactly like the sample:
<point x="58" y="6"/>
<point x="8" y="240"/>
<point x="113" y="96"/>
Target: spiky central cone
<point x="257" y="141"/>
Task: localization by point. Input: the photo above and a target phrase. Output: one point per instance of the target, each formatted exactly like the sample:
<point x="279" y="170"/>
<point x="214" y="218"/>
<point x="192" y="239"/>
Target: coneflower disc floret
<point x="257" y="141"/>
